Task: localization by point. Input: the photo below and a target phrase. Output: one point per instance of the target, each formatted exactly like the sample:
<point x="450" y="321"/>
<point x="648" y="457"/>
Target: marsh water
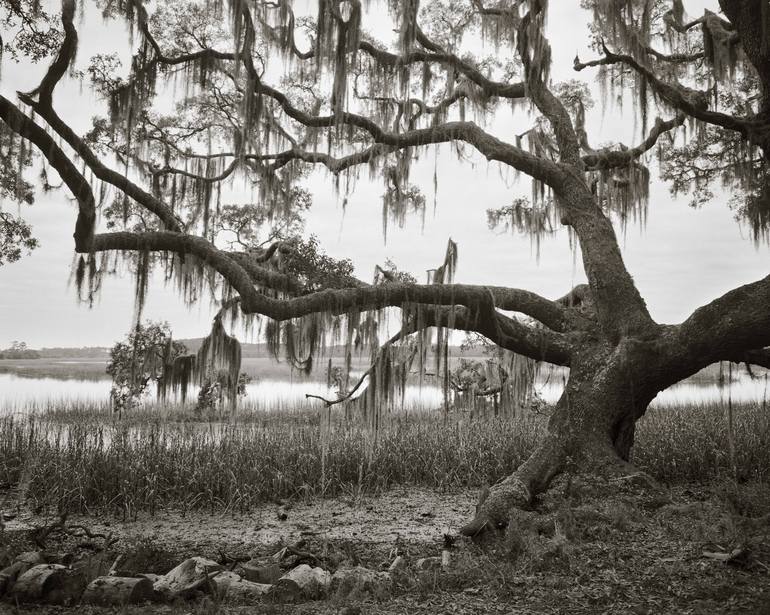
<point x="18" y="392"/>
<point x="22" y="392"/>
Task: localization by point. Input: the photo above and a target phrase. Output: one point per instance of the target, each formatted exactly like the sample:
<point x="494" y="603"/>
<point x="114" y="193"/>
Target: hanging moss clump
<point x="219" y="358"/>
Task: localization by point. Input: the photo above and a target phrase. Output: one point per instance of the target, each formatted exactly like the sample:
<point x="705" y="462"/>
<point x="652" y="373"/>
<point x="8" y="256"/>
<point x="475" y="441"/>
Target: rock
<point x="192" y="574"/>
<point x="243" y="591"/>
<point x="109" y="590"/>
<point x="65" y="559"/>
<point x="223" y="580"/>
<point x="22" y="563"/>
<point x="428" y="563"/>
<point x="303" y="582"/>
<point x="398" y="564"/>
<point x="35" y="584"/>
<point x="359" y="582"/>
<point x="33" y="558"/>
<point x="258" y="572"/>
<point x="152" y="578"/>
<point x="52" y="583"/>
<point x="9" y="574"/>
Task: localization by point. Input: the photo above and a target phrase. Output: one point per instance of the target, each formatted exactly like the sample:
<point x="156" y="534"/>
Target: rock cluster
<point x="35" y="577"/>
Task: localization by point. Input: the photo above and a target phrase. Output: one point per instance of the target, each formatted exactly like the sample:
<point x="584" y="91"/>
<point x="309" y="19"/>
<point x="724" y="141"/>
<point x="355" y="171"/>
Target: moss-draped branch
<point x="615" y="301"/>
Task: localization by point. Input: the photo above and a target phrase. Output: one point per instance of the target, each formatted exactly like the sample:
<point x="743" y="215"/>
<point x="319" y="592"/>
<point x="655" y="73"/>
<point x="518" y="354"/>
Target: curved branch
<point x="406" y="330"/>
<point x="72" y="177"/>
<point x="435" y="54"/>
<point x="240" y="272"/>
<point x="63" y="58"/>
<point x="537" y="343"/>
<point x="674" y="58"/>
<point x="607" y="159"/>
<point x="43" y="107"/>
<point x="103" y="172"/>
<point x="335" y="165"/>
<point x="491" y="147"/>
<point x="691" y="102"/>
<point x="458" y="318"/>
<point x="488" y="86"/>
<point x="548" y="104"/>
<point x="205" y="53"/>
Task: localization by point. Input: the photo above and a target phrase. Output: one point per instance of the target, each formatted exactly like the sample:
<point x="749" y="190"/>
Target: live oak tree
<point x="339" y="98"/>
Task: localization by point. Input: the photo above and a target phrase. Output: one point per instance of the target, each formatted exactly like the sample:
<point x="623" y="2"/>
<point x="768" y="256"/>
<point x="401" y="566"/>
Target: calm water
<point x="19" y="392"/>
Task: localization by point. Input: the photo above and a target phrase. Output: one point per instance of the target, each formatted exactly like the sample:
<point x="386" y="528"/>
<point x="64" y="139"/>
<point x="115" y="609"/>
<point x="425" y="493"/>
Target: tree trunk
<point x="591" y="428"/>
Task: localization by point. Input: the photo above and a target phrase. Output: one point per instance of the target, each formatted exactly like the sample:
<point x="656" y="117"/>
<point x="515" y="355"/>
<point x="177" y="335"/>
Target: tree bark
<point x="591" y="429"/>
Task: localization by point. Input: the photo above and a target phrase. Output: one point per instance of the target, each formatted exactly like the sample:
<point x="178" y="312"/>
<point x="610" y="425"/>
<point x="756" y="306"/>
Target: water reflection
<point x="744" y="389"/>
<point x="17" y="393"/>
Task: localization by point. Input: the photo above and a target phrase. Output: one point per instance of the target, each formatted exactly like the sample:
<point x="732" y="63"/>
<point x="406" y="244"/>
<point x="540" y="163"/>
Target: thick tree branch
<point x="239" y="271"/>
<point x="541" y="344"/>
<point x="732" y="325"/>
<point x="435" y="54"/>
<point x="491" y="147"/>
<point x="72" y="177"/>
<point x="335" y="165"/>
<point x="675" y="58"/>
<point x="488" y="145"/>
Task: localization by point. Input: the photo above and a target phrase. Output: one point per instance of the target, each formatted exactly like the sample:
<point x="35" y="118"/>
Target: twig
<point x="114" y="568"/>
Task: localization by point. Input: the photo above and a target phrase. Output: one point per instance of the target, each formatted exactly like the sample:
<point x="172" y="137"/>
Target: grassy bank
<point x="83" y="460"/>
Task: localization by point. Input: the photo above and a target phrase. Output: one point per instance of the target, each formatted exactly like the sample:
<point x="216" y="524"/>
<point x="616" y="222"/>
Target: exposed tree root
<point x="599" y="473"/>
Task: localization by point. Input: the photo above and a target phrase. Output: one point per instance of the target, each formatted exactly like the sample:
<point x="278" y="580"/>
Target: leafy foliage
<point x="306" y="261"/>
<point x="15" y="238"/>
<point x="15" y="233"/>
<point x="389" y="272"/>
<point x="34" y="33"/>
<point x="140" y="360"/>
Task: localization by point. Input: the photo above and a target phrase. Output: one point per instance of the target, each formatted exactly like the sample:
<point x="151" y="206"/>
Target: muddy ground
<point x="582" y="551"/>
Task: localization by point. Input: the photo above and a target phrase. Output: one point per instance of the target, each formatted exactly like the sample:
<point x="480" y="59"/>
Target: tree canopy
<point x="262" y="93"/>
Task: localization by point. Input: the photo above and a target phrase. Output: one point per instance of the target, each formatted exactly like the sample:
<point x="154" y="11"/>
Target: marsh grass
<point x="84" y="459"/>
<point x="690" y="442"/>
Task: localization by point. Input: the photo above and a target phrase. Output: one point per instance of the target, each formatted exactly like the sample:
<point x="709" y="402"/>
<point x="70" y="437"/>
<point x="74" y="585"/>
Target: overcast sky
<point x="680" y="260"/>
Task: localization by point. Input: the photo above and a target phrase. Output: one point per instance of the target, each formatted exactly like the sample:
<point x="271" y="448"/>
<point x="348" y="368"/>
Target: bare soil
<point x="584" y="550"/>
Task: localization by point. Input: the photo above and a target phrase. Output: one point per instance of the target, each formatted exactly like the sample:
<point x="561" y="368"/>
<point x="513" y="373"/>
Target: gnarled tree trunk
<point x="591" y="428"/>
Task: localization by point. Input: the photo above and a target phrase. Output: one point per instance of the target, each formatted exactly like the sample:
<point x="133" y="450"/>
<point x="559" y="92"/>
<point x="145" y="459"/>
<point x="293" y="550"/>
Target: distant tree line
<point x="86" y="352"/>
<point x="19" y="350"/>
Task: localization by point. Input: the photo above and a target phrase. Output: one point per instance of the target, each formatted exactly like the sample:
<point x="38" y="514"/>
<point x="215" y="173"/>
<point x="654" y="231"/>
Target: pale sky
<point x="682" y="259"/>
